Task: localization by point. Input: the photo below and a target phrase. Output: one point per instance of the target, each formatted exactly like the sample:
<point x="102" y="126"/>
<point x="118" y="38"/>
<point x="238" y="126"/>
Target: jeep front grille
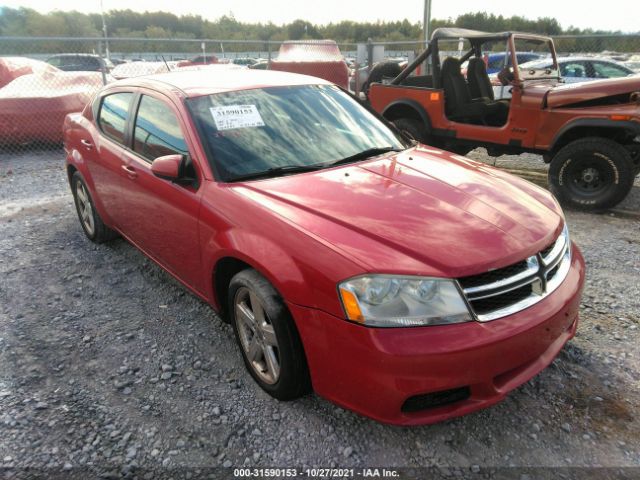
<point x="508" y="290"/>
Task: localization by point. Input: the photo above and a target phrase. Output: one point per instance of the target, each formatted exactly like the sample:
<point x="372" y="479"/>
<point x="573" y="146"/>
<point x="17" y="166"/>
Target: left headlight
<point x="402" y="301"/>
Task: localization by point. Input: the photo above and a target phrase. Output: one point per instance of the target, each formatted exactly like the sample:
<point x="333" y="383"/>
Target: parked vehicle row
<point x="80" y="62"/>
<point x="35" y="97"/>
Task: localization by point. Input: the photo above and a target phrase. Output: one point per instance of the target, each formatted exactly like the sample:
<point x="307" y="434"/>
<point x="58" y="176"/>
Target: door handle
<point x="130" y="171"/>
<point x="86" y="143"/>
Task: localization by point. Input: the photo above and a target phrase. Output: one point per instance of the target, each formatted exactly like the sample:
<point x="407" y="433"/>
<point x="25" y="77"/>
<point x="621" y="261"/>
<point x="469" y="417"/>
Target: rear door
<point x="608" y="70"/>
<point x="162" y="216"/>
<point x="106" y="153"/>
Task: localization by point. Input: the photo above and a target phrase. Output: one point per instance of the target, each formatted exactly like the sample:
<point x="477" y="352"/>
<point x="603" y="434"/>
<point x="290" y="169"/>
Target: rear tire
<point x="414" y="129"/>
<point x="90" y="220"/>
<point x="267" y="337"/>
<point x="592" y="173"/>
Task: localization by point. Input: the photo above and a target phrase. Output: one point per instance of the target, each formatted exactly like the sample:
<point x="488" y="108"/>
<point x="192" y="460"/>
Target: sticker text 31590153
<point x="236" y="116"/>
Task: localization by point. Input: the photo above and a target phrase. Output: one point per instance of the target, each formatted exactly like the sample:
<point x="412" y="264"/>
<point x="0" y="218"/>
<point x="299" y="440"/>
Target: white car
<point x="572" y="70"/>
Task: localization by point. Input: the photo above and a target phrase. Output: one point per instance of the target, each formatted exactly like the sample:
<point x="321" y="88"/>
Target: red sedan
<point x="403" y="282"/>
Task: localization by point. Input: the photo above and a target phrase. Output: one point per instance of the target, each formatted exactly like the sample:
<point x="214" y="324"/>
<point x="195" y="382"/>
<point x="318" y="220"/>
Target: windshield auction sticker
<point x="236" y="116"/>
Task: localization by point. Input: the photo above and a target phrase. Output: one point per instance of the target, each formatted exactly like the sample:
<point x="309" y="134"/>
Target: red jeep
<point x="589" y="133"/>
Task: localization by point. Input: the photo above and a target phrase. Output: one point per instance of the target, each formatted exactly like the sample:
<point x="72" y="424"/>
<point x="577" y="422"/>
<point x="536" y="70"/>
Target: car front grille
<point x="505" y="291"/>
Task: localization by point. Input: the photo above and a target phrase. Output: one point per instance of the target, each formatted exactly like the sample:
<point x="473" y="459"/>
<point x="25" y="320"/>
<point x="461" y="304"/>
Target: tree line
<point x="127" y="23"/>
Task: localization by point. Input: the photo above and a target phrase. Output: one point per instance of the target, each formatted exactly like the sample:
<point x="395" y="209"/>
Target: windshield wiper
<point x="275" y="171"/>
<point x="286" y="169"/>
<point x="368" y="153"/>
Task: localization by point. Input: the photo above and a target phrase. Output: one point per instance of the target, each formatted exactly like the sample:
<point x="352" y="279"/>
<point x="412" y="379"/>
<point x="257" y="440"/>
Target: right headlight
<point x="402" y="301"/>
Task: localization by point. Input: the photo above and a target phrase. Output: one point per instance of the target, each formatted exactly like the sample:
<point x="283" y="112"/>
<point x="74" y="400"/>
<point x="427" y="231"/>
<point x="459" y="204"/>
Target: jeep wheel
<point x="414" y="129"/>
<point x="592" y="173"/>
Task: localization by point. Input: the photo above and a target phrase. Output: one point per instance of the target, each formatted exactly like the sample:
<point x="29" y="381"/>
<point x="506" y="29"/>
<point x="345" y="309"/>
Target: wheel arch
<point x="80" y="166"/>
<point x="619" y="131"/>
<point x="232" y="261"/>
<point x="71" y="170"/>
<point x="224" y="270"/>
<point x="407" y="108"/>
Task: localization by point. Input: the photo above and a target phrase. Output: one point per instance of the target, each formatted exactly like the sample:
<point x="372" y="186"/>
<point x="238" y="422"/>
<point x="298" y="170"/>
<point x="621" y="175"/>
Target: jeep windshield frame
<point x="521" y="76"/>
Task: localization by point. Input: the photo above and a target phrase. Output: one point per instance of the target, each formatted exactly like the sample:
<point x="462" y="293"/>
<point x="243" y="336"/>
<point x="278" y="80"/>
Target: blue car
<point x="495" y="61"/>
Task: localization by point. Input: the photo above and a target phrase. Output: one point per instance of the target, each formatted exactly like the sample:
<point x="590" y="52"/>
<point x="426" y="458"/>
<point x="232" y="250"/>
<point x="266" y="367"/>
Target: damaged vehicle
<point x="589" y="133"/>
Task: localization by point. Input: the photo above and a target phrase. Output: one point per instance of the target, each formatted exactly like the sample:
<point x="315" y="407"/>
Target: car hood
<point x="565" y="94"/>
<point x="421" y="211"/>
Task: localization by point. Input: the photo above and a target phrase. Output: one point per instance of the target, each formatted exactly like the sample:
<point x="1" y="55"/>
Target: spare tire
<point x="385" y="69"/>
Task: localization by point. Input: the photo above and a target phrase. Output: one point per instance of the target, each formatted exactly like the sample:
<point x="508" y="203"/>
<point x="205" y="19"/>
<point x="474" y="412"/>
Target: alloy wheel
<point x="257" y="336"/>
<point x="84" y="208"/>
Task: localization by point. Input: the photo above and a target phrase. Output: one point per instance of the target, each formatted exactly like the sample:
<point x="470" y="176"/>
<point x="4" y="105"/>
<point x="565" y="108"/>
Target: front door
<point x="162" y="216"/>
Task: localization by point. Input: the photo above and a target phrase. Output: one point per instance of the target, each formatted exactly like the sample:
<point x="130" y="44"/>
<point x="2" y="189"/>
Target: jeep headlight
<point x="402" y="301"/>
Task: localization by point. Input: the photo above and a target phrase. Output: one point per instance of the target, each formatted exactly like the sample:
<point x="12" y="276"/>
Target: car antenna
<point x="165" y="63"/>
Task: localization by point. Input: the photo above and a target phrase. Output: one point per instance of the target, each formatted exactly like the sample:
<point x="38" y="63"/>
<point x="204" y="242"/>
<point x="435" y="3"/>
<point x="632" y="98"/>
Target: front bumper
<point x="373" y="371"/>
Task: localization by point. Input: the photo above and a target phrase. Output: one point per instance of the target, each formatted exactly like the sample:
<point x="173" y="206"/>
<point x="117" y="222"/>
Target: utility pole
<point x="426" y="19"/>
<point x="104" y="31"/>
<point x="425" y="28"/>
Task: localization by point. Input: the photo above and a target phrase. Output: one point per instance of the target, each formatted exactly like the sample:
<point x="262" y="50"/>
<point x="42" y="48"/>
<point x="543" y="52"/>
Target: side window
<point x="608" y="70"/>
<point x="573" y="70"/>
<point x="524" y="58"/>
<point x="114" y="112"/>
<point x="157" y="131"/>
<point x="497" y="62"/>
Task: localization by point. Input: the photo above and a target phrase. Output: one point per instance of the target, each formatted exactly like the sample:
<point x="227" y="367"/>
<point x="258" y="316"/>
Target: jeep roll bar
<point x="476" y="38"/>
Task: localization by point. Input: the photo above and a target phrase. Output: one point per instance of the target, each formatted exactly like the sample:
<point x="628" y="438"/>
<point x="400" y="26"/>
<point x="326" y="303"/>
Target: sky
<point x="610" y="15"/>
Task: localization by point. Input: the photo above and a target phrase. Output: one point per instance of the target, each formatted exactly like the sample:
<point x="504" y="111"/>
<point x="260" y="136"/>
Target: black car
<point x="80" y="62"/>
<point x="245" y="61"/>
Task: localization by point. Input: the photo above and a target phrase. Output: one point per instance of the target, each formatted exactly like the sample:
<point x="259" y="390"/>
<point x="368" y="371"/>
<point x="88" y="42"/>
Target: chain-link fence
<point x="43" y="79"/>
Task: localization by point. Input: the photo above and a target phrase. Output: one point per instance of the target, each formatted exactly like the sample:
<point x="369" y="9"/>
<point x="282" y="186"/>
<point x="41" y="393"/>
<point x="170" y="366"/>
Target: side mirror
<point x="168" y="167"/>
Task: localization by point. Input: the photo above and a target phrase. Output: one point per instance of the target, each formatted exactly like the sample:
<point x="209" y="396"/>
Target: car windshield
<point x="288" y="129"/>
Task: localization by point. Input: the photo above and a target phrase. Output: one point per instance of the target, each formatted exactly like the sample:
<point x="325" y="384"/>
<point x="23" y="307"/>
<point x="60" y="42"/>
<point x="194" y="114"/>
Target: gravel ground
<point x="109" y="369"/>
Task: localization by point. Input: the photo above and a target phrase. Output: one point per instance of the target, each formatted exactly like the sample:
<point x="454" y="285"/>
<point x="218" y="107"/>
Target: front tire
<point x="90" y="220"/>
<point x="592" y="173"/>
<point x="267" y="337"/>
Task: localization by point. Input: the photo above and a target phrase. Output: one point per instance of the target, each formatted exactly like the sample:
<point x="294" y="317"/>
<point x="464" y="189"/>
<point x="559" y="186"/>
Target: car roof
<point x="194" y="83"/>
<point x="547" y="60"/>
<point x="502" y="54"/>
<point x="584" y="58"/>
<point x="75" y="55"/>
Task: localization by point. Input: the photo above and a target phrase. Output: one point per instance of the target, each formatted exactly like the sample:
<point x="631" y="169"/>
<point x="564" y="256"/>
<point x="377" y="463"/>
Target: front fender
<point x="633" y="128"/>
<point x="303" y="269"/>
